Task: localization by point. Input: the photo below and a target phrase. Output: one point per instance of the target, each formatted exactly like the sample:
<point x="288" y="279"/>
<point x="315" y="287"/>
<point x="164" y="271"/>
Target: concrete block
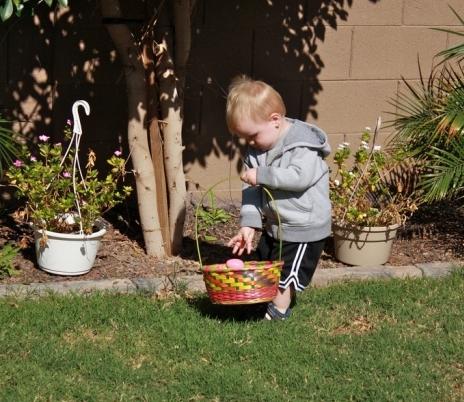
<point x="217" y="55"/>
<point x="391" y="52"/>
<point x="31" y="104"/>
<point x="291" y="93"/>
<point x="107" y="122"/>
<point x="367" y="272"/>
<point x="194" y="283"/>
<point x="30" y="52"/>
<point x="68" y="287"/>
<point x="279" y="57"/>
<point x="215" y="169"/>
<point x="192" y="115"/>
<point x="230" y="15"/>
<point x="431" y="12"/>
<point x="86" y="55"/>
<point x="335" y="52"/>
<point x="437" y="269"/>
<point x="335" y="139"/>
<point x="324" y="277"/>
<point x="349" y="106"/>
<point x="149" y="285"/>
<point x="373" y="13"/>
<point x="84" y="287"/>
<point x="408" y="271"/>
<point x="3" y="57"/>
<point x="15" y="290"/>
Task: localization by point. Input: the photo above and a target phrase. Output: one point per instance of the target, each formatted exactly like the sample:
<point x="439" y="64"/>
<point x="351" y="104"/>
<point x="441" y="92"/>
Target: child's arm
<point x="305" y="168"/>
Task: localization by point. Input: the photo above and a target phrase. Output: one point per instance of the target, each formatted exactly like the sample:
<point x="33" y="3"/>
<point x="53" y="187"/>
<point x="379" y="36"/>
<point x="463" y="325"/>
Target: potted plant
<point x="63" y="203"/>
<point x="368" y="205"/>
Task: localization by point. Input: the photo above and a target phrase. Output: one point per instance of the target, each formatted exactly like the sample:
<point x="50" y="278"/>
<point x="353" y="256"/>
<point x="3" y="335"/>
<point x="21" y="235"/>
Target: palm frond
<point x="446" y="176"/>
<point x="455" y="52"/>
<point x="8" y="145"/>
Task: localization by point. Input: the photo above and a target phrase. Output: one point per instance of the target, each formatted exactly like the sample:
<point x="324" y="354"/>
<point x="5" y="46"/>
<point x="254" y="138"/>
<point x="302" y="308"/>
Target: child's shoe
<point x="273" y="313"/>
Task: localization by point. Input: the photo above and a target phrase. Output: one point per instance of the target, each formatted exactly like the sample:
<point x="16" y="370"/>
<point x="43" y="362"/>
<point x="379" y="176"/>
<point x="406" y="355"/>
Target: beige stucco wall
<point x="345" y="82"/>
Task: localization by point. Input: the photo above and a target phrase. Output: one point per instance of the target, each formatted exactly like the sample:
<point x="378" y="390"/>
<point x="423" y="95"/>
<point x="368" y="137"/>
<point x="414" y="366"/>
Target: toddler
<point x="287" y="157"/>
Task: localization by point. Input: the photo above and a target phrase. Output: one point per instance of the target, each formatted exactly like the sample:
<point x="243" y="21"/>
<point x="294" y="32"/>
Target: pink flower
<point x="18" y="163"/>
<point x="33" y="159"/>
<point x="43" y="138"/>
<point x="69" y="122"/>
<point x="58" y="144"/>
<point x="66" y="174"/>
<point x="118" y="153"/>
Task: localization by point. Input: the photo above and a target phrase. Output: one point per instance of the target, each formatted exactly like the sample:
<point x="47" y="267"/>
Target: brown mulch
<point x="434" y="234"/>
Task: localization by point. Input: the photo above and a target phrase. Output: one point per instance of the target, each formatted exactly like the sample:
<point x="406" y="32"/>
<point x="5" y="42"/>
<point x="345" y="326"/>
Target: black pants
<point x="300" y="259"/>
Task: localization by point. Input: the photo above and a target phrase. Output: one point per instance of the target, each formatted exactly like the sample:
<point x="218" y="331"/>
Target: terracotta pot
<point x="360" y="246"/>
<point x="66" y="253"/>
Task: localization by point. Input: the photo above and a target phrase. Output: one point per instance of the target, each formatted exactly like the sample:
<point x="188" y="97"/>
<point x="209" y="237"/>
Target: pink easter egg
<point x="235" y="263"/>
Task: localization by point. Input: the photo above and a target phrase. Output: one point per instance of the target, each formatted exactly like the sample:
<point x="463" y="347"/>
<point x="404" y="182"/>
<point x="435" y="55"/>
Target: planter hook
<point x="75" y="140"/>
<point x="77" y="128"/>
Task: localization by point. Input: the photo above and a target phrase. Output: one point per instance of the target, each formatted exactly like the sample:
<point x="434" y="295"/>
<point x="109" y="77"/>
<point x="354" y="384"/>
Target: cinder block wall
<point x="354" y="71"/>
<point x="337" y="64"/>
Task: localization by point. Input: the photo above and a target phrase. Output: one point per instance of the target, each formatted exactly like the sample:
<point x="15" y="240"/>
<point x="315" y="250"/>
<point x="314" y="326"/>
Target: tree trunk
<point x="171" y="105"/>
<point x="137" y="134"/>
<point x="156" y="143"/>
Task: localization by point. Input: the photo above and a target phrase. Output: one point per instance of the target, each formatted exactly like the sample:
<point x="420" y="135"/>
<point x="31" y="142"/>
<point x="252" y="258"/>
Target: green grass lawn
<point x="377" y="341"/>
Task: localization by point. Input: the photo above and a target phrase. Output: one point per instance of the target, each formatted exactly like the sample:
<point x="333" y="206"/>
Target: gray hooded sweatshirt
<point x="295" y="173"/>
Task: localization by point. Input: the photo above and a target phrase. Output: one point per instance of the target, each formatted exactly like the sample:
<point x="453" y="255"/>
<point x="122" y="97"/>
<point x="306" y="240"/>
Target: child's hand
<point x="249" y="177"/>
<point x="242" y="241"/>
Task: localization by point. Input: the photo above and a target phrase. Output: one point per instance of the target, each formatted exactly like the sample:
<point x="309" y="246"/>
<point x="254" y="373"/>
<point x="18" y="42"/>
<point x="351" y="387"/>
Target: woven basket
<point x="256" y="282"/>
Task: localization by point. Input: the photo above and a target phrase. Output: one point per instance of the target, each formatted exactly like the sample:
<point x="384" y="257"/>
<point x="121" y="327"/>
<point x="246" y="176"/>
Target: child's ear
<point x="275" y="117"/>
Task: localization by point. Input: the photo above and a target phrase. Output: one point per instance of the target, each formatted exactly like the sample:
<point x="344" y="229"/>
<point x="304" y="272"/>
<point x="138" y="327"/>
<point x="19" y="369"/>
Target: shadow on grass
<point x="243" y="312"/>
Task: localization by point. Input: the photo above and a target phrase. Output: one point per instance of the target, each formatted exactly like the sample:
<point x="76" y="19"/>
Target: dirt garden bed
<point x="433" y="234"/>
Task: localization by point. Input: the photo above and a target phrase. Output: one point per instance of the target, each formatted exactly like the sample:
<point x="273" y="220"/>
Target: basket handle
<point x="197" y="209"/>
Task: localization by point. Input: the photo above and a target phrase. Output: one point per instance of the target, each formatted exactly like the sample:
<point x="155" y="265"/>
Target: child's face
<point x="261" y="135"/>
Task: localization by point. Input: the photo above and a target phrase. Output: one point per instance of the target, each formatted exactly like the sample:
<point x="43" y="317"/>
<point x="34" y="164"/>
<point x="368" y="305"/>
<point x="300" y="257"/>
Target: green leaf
<point x="63" y="3"/>
<point x="6" y="10"/>
<point x="49" y="2"/>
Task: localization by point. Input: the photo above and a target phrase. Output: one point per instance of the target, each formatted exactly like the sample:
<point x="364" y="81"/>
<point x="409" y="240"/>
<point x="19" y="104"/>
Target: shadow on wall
<point x="276" y="41"/>
<point x="54" y="59"/>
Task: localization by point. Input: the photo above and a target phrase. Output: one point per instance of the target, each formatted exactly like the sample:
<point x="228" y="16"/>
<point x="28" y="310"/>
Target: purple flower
<point x="118" y="153"/>
<point x="66" y="174"/>
<point x="33" y="159"/>
<point x="43" y="138"/>
<point x="18" y="163"/>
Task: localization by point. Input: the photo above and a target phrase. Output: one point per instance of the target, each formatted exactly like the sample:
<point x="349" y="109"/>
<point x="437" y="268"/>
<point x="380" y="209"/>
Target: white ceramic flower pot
<point x="363" y="246"/>
<point x="67" y="254"/>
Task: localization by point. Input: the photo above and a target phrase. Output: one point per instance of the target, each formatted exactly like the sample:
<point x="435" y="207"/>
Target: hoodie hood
<point x="301" y="134"/>
<point x="305" y="134"/>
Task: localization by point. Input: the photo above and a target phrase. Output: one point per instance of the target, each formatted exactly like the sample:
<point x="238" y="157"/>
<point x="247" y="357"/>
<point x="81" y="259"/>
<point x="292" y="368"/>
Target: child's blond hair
<point x="251" y="99"/>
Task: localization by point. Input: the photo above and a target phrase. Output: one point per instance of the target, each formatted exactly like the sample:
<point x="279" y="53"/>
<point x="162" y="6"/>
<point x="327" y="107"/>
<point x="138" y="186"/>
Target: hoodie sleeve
<point x="250" y="212"/>
<point x="304" y="169"/>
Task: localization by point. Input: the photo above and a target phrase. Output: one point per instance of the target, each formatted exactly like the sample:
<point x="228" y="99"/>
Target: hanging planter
<point x="370" y="245"/>
<point x="67" y="253"/>
<point x="65" y="201"/>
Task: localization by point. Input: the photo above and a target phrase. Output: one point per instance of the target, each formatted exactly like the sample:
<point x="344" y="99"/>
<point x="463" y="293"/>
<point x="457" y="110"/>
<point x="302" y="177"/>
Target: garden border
<point x="194" y="283"/>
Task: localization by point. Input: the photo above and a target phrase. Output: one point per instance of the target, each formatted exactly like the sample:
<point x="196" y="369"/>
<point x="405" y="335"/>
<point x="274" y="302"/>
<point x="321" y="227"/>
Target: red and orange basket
<point x="255" y="282"/>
